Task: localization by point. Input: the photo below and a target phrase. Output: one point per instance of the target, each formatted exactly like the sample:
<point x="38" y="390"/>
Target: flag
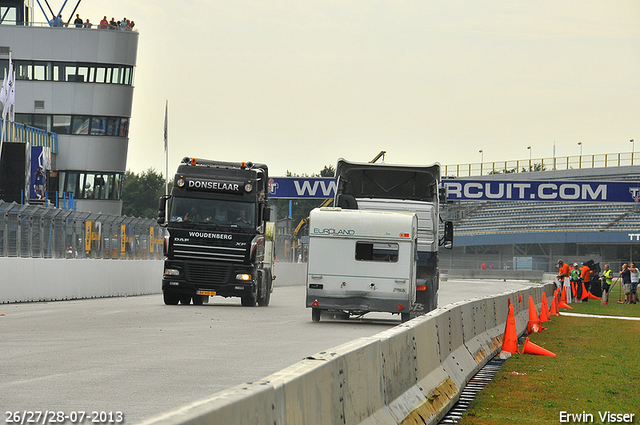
<point x="166" y="135"/>
<point x="8" y="108"/>
<point x="3" y="93"/>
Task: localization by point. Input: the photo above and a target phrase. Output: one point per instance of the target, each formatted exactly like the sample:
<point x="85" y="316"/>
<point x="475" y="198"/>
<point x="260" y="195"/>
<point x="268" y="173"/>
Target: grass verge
<point x="597" y="370"/>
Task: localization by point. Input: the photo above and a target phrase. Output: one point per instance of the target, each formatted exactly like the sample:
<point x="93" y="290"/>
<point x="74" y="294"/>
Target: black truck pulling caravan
<point x="219" y="239"/>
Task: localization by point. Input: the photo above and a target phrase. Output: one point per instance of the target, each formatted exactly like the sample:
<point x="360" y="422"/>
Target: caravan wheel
<point x="315" y="314"/>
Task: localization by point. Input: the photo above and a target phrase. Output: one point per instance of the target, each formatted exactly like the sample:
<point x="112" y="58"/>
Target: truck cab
<point x="219" y="238"/>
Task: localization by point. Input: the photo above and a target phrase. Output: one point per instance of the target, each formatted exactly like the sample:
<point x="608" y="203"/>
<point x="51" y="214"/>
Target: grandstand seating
<point x="493" y="217"/>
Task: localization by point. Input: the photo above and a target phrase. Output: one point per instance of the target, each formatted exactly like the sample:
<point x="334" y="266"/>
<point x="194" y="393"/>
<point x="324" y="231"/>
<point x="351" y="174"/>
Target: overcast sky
<point x="298" y="84"/>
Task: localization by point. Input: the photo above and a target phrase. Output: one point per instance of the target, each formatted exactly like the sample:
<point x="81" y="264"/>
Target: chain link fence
<point x="39" y="232"/>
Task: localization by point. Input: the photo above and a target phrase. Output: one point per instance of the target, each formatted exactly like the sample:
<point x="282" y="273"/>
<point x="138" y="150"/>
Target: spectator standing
<point x="87" y="24"/>
<point x="585" y="276"/>
<point x="78" y="21"/>
<point x="563" y="272"/>
<point x="58" y="21"/>
<point x="626" y="283"/>
<point x="104" y="24"/>
<point x="634" y="283"/>
<point x="39" y="183"/>
<point x="113" y="25"/>
<point x="575" y="279"/>
<point x="606" y="284"/>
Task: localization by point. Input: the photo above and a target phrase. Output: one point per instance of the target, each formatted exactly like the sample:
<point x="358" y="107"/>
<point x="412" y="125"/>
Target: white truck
<point x="361" y="261"/>
<point x="414" y="189"/>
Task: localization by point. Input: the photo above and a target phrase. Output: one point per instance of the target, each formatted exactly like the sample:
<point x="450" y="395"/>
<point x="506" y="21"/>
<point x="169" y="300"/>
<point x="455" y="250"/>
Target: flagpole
<point x="166" y="148"/>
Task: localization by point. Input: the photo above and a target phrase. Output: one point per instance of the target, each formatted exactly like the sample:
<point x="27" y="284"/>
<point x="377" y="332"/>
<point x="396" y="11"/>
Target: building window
<point x="81" y="124"/>
<point x="91" y="185"/>
<point x="61" y="124"/>
<point x="77" y="124"/>
<point x="73" y="72"/>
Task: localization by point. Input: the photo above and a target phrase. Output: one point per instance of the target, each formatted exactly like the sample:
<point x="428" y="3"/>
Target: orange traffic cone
<point x="584" y="293"/>
<point x="544" y="310"/>
<point x="510" y="340"/>
<point x="531" y="348"/>
<point x="554" y="308"/>
<point x="593" y="297"/>
<point x="533" y="325"/>
<point x="563" y="301"/>
<point x="574" y="289"/>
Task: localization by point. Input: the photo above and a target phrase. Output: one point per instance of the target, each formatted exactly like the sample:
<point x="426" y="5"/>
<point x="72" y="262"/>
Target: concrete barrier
<point x="39" y="279"/>
<point x="412" y="373"/>
<point x="532" y="275"/>
<point x="44" y="279"/>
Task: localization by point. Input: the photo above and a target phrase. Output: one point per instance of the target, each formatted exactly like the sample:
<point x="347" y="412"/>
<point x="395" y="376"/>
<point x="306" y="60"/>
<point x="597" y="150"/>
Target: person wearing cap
<point x="575" y="278"/>
<point x="563" y="272"/>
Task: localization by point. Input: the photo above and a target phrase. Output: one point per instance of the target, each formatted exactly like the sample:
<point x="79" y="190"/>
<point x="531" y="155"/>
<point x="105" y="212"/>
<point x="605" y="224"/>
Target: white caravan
<point x="361" y="261"/>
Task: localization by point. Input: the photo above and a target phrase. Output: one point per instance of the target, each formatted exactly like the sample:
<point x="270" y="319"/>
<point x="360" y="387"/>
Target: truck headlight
<point x="243" y="276"/>
<point x="248" y="187"/>
<point x="171" y="272"/>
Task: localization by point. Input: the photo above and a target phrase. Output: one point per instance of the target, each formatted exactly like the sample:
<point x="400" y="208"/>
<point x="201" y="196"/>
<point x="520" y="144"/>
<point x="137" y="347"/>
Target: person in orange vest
<point x="563" y="271"/>
<point x="585" y="277"/>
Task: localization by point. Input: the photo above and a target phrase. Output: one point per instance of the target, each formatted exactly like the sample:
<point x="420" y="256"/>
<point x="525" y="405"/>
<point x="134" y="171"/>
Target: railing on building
<point x="16" y="132"/>
<point x="541" y="164"/>
<point x="39" y="232"/>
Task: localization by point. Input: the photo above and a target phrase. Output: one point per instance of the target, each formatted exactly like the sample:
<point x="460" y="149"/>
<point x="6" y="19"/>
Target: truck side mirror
<point x="442" y="192"/>
<point x="447" y="239"/>
<point x="162" y="209"/>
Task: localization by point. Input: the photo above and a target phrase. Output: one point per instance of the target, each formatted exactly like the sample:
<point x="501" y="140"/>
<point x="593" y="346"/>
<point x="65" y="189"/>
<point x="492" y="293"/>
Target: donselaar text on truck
<point x="220" y="240"/>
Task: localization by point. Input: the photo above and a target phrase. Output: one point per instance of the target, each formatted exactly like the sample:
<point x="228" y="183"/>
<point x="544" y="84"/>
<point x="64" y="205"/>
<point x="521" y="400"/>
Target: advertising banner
<point x="534" y="190"/>
<point x="302" y="187"/>
<point x="479" y="190"/>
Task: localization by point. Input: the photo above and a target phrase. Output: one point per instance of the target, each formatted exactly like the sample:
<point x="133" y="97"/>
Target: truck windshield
<point x="213" y="211"/>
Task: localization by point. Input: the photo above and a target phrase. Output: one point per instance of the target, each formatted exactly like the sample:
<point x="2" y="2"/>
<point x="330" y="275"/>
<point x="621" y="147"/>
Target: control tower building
<point x="77" y="82"/>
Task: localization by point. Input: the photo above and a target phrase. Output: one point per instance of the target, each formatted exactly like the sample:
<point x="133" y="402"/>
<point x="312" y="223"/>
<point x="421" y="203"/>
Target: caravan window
<point x="370" y="251"/>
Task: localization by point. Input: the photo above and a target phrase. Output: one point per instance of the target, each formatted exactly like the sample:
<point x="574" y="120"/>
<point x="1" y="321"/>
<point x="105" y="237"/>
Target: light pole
<point x="633" y="149"/>
<point x="580" y="158"/>
<point x="481" y="159"/>
<point x="529" y="147"/>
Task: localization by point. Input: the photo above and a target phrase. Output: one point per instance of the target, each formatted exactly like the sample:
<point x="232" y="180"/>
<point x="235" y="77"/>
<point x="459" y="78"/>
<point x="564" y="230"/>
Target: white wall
<point x="39" y="279"/>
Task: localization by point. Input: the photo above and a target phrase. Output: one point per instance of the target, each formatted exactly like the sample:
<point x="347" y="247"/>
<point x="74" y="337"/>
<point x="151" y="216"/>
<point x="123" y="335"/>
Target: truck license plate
<point x="210" y="293"/>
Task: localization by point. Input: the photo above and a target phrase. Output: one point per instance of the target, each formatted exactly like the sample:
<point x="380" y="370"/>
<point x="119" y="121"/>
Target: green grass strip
<point x="597" y="370"/>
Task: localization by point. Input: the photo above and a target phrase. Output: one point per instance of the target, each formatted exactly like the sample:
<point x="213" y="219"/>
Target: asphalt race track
<point x="137" y="356"/>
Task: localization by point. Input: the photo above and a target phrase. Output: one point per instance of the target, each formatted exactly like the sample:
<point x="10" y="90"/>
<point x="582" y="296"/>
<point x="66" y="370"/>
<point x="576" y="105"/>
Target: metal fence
<point x="42" y="232"/>
<point x="540" y="164"/>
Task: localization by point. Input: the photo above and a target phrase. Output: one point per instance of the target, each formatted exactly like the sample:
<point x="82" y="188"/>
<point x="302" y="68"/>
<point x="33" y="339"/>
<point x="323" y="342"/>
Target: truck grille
<point x="184" y="251"/>
<point x="207" y="273"/>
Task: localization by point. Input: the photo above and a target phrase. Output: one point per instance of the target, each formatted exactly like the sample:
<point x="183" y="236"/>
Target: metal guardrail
<point x="41" y="232"/>
<point x="541" y="164"/>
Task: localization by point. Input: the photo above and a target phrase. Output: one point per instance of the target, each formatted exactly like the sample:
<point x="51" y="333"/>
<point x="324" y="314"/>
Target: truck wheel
<point x="170" y="299"/>
<point x="315" y="314"/>
<point x="405" y="317"/>
<point x="200" y="299"/>
<point x="185" y="300"/>
<point x="248" y="300"/>
<point x="264" y="301"/>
